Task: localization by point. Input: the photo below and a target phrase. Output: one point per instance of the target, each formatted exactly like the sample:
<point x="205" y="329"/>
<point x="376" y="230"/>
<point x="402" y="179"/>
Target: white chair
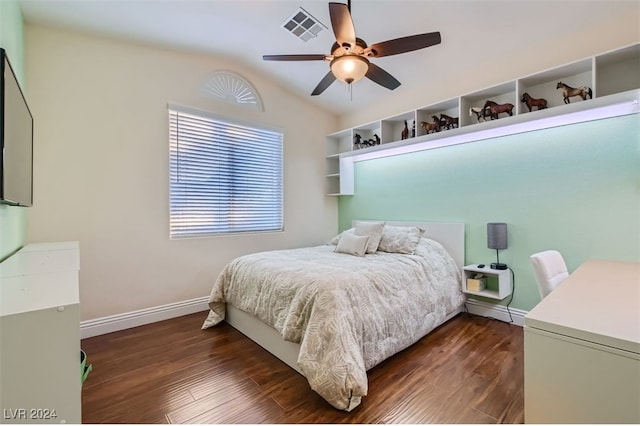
<point x="550" y="270"/>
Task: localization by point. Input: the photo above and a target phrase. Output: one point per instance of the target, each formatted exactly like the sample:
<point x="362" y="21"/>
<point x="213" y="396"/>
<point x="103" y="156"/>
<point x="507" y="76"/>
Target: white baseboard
<point x="104" y="325"/>
<point x="499" y="312"/>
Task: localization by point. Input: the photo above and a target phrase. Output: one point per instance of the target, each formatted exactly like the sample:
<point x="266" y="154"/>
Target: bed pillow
<point x="335" y="239"/>
<point x="400" y="239"/>
<point x="352" y="244"/>
<point x="373" y="230"/>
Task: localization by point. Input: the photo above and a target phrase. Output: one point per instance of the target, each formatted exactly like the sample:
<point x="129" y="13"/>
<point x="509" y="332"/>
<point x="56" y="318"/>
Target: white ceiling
<point x="474" y="32"/>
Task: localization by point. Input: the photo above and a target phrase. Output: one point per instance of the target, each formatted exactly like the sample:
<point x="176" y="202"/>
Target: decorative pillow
<point x="352" y="244"/>
<point x="335" y="239"/>
<point x="373" y="230"/>
<point x="400" y="239"/>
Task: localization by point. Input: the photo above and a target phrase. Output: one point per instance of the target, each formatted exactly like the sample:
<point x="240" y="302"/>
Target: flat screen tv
<point x="16" y="140"/>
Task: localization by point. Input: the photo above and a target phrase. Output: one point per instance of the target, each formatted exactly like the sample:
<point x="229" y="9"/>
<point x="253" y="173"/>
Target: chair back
<point x="550" y="270"/>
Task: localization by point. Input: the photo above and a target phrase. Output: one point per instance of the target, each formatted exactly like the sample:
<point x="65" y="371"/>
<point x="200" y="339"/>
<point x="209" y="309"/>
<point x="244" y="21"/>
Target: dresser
<point x="582" y="348"/>
<point x="40" y="335"/>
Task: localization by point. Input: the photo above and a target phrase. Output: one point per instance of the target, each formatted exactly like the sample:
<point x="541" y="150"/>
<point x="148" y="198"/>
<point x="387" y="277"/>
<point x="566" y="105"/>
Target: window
<point x="224" y="177"/>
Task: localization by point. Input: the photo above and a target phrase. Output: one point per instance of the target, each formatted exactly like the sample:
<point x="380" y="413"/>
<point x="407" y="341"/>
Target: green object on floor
<point x="84" y="368"/>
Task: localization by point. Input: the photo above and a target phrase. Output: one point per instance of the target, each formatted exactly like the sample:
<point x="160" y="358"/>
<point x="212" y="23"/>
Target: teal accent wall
<point x="573" y="188"/>
<point x="13" y="220"/>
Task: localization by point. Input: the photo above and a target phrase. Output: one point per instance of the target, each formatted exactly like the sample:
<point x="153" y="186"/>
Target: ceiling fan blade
<point x="302" y="57"/>
<point x="380" y="76"/>
<point x="404" y="44"/>
<point x="324" y="83"/>
<point x="342" y="24"/>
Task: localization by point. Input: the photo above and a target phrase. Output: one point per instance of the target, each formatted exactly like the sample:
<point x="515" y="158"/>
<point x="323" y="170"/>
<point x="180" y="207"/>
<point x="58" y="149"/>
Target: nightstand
<point x="502" y="276"/>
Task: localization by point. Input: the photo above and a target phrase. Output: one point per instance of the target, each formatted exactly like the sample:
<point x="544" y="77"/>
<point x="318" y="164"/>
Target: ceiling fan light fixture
<point x="349" y="68"/>
<point x="349" y="54"/>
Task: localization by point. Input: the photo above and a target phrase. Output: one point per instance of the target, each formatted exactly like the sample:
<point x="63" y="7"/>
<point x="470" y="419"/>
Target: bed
<point x="334" y="311"/>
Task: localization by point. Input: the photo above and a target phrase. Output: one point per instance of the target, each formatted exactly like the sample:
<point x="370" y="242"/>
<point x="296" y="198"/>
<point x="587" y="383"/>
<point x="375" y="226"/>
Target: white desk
<point x="582" y="348"/>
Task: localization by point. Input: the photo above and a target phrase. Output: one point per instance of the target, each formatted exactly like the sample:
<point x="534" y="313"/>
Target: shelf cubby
<point x="618" y="71"/>
<point x="426" y="114"/>
<point x="332" y="166"/>
<point x="368" y="131"/>
<point x="544" y="84"/>
<point x="336" y="144"/>
<point x="332" y="183"/>
<point x="500" y="94"/>
<point x="391" y="128"/>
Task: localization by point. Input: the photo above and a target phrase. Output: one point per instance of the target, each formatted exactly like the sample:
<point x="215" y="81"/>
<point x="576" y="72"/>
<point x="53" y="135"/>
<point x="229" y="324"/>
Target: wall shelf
<point x="503" y="278"/>
<point x="612" y="76"/>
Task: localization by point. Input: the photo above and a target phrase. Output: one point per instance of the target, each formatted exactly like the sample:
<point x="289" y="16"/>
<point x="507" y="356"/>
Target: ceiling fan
<point x="349" y="58"/>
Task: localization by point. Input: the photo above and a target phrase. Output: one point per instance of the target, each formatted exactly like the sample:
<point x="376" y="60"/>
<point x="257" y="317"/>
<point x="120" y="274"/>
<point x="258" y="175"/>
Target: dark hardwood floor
<point x="469" y="370"/>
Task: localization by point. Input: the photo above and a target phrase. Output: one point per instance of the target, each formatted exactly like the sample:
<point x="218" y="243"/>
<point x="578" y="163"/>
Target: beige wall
<point x="101" y="166"/>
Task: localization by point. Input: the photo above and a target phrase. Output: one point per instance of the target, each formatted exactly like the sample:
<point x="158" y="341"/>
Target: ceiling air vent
<point x="302" y="25"/>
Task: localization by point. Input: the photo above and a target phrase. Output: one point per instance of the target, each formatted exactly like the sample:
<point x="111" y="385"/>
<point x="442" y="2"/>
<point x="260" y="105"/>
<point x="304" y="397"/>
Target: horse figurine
<point x="481" y="113"/>
<point x="497" y="109"/>
<point x="568" y="91"/>
<point x="532" y="102"/>
<point x="448" y="122"/>
<point x="357" y="141"/>
<point x="431" y="127"/>
<point x="375" y="140"/>
<point x="405" y="131"/>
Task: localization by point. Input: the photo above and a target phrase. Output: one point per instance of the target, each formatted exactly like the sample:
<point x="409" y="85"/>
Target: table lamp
<point x="497" y="239"/>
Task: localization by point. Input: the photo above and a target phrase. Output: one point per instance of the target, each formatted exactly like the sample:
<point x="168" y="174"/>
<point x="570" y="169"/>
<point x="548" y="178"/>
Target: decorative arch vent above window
<point x="230" y="87"/>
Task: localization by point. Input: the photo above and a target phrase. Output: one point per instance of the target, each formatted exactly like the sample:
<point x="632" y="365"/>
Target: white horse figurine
<point x="481" y="113"/>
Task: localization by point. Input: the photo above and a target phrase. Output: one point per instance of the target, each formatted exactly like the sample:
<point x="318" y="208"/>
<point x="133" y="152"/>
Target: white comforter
<point x="348" y="313"/>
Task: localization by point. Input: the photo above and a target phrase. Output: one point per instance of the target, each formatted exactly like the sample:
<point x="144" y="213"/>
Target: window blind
<point x="224" y="177"/>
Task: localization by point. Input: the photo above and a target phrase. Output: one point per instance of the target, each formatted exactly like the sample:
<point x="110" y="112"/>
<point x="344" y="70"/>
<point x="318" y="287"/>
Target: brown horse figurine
<point x="568" y="91"/>
<point x="431" y="127"/>
<point x="532" y="102"/>
<point x="448" y="122"/>
<point x="497" y="109"/>
<point x="405" y="131"/>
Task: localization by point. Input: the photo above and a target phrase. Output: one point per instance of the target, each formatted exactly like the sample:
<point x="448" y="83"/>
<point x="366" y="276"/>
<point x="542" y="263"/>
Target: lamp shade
<point x="349" y="68"/>
<point x="497" y="236"/>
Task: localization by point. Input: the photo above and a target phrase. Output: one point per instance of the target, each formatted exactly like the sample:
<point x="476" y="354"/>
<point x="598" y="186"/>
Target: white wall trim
<point x="499" y="312"/>
<point x="109" y="324"/>
<point x="104" y="325"/>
